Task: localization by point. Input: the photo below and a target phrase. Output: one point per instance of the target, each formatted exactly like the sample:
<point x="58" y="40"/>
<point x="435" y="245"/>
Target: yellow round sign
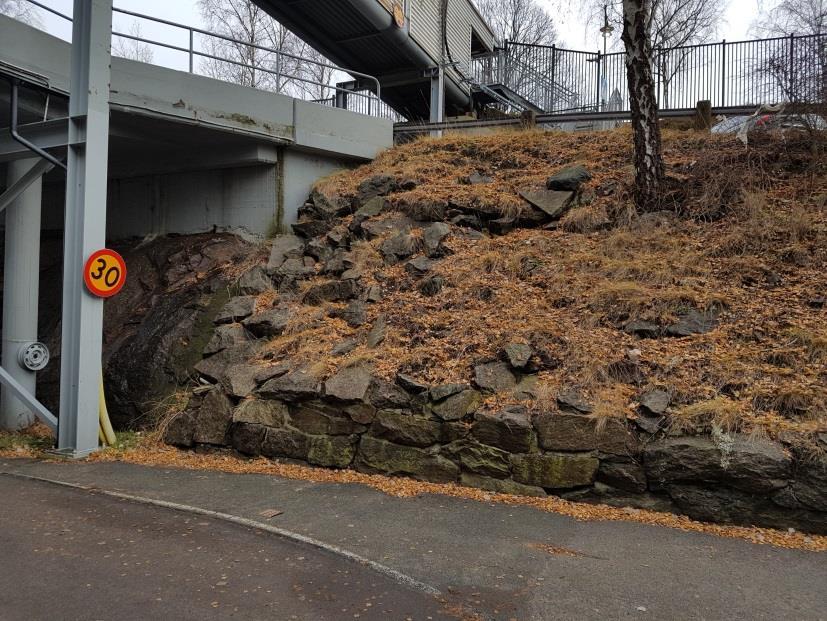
<point x="105" y="273"/>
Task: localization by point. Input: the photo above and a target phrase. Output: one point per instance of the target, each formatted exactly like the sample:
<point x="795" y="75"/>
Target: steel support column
<point x="437" y="98"/>
<point x="21" y="280"/>
<point x="85" y="228"/>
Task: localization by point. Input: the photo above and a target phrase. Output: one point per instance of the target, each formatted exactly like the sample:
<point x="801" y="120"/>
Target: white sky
<point x="574" y="32"/>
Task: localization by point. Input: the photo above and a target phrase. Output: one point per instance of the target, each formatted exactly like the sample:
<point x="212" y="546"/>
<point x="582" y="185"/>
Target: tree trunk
<point x="649" y="169"/>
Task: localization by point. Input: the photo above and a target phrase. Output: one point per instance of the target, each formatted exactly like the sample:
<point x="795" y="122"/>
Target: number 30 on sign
<point x="104" y="273"/>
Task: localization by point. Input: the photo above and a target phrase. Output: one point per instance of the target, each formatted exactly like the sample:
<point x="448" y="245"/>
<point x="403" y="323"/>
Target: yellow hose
<point x="105" y="431"/>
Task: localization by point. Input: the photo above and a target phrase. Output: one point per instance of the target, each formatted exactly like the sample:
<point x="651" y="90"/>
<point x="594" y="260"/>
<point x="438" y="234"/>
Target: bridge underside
<point x="361" y="35"/>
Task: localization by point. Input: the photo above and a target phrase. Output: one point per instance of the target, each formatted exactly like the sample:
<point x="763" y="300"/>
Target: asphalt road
<point x="73" y="555"/>
<point x="504" y="562"/>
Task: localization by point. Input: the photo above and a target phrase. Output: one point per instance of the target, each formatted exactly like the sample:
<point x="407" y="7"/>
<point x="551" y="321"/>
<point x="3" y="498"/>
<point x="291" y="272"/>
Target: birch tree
<point x="649" y="169"/>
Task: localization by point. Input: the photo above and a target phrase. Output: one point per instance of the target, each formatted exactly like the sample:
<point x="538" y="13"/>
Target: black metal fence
<point x="740" y="74"/>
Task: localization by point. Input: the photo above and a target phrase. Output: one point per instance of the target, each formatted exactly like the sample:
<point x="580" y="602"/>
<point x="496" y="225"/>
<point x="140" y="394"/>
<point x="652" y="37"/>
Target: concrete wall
<point x="301" y="171"/>
<point x="252" y="199"/>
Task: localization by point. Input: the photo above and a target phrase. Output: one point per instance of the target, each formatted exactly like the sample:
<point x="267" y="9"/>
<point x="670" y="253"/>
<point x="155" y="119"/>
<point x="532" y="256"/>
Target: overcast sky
<point x="574" y="32"/>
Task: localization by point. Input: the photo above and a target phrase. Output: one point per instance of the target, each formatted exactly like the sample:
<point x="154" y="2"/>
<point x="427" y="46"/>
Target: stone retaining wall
<point x="443" y="434"/>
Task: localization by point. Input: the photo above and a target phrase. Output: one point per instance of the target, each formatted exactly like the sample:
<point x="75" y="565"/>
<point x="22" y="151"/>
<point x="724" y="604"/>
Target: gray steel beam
<point x="20" y="287"/>
<point x="19" y="186"/>
<point x="44" y="135"/>
<point x="85" y="228"/>
<point x="11" y="384"/>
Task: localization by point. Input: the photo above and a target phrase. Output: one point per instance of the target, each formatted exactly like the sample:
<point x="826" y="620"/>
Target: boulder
<point x="269" y="323"/>
<point x="213" y="419"/>
<point x="402" y="427"/>
<point x="296" y="384"/>
<point x="362" y="413"/>
<point x="284" y="247"/>
<point x="722" y="505"/>
<point x="569" y="179"/>
<point x="180" y="429"/>
<point x="751" y="465"/>
<point x="225" y="336"/>
<point x="552" y="203"/>
<point x="518" y="355"/>
<point x="574" y="432"/>
<point x="331" y="291"/>
<point x="332" y="452"/>
<point x="318" y="250"/>
<point x="629" y="477"/>
<point x="370" y="209"/>
<point x="483" y="460"/>
<point x="377" y="456"/>
<point x="509" y="430"/>
<point x="555" y="470"/>
<point x="295" y="269"/>
<point x="236" y="309"/>
<point x="378" y="332"/>
<point x="810" y="487"/>
<point x="431" y="286"/>
<point x="457" y="406"/>
<point x="433" y="235"/>
<point x="419" y="266"/>
<point x="289" y="443"/>
<point x="260" y="412"/>
<point x="215" y="367"/>
<point x="651" y="424"/>
<point x="500" y="486"/>
<point x="377" y="185"/>
<point x="385" y="395"/>
<point x="655" y="402"/>
<point x="398" y="247"/>
<point x="317" y="418"/>
<point x="438" y="393"/>
<point x="373" y="294"/>
<point x="254" y="281"/>
<point x="343" y="348"/>
<point x="494" y="377"/>
<point x="355" y="314"/>
<point x="329" y="204"/>
<point x="240" y="380"/>
<point x="387" y="223"/>
<point x="526" y="388"/>
<point x="643" y="329"/>
<point x="247" y="439"/>
<point x="692" y="323"/>
<point x="310" y="227"/>
<point x="572" y="402"/>
<point x="410" y="383"/>
<point x="349" y="384"/>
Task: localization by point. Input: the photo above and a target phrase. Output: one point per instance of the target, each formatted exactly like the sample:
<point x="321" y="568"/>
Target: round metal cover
<point x="34" y="356"/>
<point x="399" y="15"/>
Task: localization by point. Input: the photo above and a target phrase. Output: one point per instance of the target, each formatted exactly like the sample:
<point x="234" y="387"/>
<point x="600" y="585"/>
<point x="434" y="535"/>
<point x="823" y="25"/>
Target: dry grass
<point x="568" y="292"/>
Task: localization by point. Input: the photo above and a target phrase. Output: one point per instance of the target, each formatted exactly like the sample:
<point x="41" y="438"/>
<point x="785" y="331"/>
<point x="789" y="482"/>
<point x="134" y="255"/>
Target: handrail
<point x="193" y="52"/>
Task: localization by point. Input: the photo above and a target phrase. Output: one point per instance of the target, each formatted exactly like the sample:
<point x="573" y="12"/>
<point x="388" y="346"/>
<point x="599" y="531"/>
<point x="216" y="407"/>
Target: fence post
<point x="659" y="73"/>
<point x="792" y="68"/>
<point x="723" y="74"/>
<point x="553" y="102"/>
<point x="599" y="61"/>
<point x="192" y="46"/>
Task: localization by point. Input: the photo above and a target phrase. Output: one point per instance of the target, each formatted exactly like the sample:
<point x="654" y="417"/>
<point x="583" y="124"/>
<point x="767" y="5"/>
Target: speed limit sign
<point x="104" y="273"/>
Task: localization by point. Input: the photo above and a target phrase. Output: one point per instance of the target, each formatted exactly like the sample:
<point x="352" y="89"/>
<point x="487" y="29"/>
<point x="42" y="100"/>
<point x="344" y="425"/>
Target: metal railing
<point x="730" y="75"/>
<point x="370" y="99"/>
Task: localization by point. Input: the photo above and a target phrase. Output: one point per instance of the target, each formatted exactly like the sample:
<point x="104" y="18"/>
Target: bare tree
<point x="795" y="69"/>
<point x="649" y="169"/>
<point x="131" y="48"/>
<point x="21" y="11"/>
<point x="522" y="23"/>
<point x="798" y="17"/>
<point x="672" y="24"/>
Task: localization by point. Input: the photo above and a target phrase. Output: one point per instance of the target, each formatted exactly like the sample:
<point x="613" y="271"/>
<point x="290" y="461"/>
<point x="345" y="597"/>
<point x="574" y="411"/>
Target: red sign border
<point x="86" y="279"/>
